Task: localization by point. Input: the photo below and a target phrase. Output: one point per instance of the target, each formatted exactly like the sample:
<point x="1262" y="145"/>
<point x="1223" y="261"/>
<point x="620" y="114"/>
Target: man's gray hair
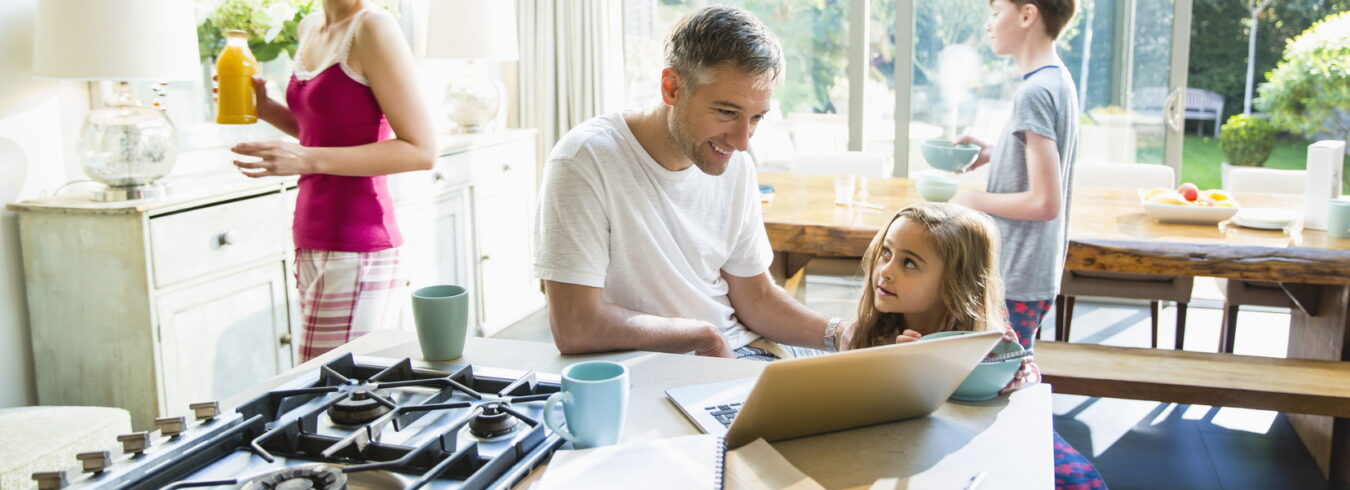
<point x="718" y="36"/>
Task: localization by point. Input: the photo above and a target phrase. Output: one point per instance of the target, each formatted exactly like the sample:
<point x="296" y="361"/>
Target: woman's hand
<point x="984" y="150"/>
<point x="907" y="336"/>
<point x="1028" y="374"/>
<point x="278" y="158"/>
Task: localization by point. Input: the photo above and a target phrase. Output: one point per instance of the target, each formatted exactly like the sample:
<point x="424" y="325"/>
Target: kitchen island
<point x="1009" y="438"/>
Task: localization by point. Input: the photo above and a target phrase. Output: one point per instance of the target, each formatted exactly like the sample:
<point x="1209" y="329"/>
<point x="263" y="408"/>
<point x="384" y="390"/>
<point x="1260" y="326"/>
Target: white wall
<point x="38" y="121"/>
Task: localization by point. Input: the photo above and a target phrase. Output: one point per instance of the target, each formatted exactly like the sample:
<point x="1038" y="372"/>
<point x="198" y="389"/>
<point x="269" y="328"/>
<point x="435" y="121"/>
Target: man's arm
<point x="1041" y="200"/>
<point x="583" y="322"/>
<point x="767" y="309"/>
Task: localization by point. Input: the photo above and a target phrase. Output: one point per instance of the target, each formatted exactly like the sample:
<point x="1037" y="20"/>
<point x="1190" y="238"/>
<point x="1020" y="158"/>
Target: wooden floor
<point x="1139" y="444"/>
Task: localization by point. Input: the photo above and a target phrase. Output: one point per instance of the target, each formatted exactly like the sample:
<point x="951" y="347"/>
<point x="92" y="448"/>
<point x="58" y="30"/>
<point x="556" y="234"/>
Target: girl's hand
<point x="984" y="150"/>
<point x="1028" y="374"/>
<point x="907" y="336"/>
<point x="278" y="158"/>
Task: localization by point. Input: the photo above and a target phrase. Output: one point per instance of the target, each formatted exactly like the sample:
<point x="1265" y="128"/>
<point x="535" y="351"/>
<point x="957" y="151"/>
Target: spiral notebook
<point x="687" y="462"/>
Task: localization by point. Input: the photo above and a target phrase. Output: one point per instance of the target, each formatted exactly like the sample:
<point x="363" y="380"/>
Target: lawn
<point x="1200" y="159"/>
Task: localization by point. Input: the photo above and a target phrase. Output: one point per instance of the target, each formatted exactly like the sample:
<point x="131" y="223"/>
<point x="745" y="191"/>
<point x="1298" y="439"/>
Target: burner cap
<point x="357" y="408"/>
<point x="491" y="421"/>
<point x="306" y="477"/>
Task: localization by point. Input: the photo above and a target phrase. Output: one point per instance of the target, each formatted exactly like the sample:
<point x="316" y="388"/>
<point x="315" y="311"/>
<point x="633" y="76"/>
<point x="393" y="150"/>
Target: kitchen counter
<point x="1008" y="437"/>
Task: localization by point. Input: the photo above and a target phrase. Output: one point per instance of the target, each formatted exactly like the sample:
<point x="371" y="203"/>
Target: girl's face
<point x="1004" y="27"/>
<point x="907" y="276"/>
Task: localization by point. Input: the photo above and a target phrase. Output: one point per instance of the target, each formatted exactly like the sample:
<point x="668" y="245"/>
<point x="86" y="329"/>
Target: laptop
<point x="813" y="395"/>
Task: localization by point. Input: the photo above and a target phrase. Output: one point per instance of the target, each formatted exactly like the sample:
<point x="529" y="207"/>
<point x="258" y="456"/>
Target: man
<point x="649" y="232"/>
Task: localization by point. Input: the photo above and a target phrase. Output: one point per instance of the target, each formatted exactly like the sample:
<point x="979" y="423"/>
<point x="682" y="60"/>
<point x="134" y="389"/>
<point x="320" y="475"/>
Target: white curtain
<point x="571" y="64"/>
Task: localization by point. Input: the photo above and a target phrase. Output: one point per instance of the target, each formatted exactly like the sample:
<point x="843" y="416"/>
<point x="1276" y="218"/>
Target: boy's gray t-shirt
<point x="1031" y="259"/>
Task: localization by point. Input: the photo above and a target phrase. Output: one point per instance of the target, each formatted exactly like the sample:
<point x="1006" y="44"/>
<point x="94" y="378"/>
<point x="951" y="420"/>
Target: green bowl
<point x="936" y="191"/>
<point x="943" y="156"/>
<point x="988" y="377"/>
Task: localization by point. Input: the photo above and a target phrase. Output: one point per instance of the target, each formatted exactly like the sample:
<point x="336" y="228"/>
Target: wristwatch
<point x="829" y="334"/>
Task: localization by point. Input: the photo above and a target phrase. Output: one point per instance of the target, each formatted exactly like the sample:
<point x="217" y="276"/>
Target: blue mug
<point x="595" y="403"/>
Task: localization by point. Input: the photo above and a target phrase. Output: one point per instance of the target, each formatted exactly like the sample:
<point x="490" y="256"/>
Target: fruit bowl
<point x="1170" y="206"/>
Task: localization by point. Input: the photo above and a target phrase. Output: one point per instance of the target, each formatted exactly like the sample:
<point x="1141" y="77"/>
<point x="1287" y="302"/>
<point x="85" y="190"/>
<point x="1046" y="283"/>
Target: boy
<point x="1032" y="163"/>
<point x="1028" y="191"/>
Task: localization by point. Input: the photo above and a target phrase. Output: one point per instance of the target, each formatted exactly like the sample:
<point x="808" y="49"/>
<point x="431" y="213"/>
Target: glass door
<point x="1128" y="59"/>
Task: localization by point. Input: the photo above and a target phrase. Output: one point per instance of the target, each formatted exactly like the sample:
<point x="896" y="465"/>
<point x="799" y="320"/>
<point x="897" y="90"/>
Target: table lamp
<point x="472" y="30"/>
<point x="124" y="145"/>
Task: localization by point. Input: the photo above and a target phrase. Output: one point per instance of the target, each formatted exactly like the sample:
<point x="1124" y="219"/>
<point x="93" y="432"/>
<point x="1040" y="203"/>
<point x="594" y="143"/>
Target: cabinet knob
<point x="484" y="258"/>
<point x="226" y="238"/>
<point x="285" y="339"/>
<point x="437" y="176"/>
<point x="506" y="167"/>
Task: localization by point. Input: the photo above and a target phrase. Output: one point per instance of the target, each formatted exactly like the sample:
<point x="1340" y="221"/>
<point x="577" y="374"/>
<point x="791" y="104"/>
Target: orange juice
<point x="235" y="69"/>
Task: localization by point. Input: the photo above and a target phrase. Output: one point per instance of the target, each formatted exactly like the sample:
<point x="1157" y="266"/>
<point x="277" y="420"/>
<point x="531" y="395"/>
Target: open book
<point x="687" y="462"/>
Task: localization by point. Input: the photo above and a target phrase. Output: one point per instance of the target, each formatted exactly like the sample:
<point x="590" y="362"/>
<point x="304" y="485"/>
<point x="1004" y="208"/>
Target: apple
<point x="1189" y="191"/>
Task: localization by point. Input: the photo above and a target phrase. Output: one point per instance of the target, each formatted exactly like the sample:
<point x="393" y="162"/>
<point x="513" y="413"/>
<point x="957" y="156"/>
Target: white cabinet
<point x="213" y="335"/>
<point x="469" y="222"/>
<point x="152" y="305"/>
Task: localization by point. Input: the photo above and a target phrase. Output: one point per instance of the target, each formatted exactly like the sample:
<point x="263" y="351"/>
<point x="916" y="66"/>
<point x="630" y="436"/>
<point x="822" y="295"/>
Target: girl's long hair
<point x="972" y="293"/>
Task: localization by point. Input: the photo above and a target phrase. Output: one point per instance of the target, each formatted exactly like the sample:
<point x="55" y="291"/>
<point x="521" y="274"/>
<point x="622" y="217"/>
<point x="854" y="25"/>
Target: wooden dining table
<point x="1110" y="231"/>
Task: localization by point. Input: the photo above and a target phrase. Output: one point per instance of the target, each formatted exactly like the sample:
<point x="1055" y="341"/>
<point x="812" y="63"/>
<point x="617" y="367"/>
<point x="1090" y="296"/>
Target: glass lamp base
<point x="131" y="192"/>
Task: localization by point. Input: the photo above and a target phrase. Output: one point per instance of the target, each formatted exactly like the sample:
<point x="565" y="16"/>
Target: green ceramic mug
<point x="1338" y="218"/>
<point x="442" y="317"/>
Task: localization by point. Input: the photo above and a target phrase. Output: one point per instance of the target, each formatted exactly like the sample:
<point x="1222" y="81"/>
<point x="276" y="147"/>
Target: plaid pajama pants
<point x="344" y="295"/>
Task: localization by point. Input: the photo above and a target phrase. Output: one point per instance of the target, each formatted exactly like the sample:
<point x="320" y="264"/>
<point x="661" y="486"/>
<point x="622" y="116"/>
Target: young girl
<point x="934" y="268"/>
<point x="355" y="105"/>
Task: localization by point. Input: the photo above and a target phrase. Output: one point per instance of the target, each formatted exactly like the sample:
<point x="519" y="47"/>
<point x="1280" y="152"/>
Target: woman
<point x="354" y="88"/>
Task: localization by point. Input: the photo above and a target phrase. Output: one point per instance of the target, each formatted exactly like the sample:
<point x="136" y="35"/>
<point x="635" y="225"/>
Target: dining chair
<point x="1152" y="287"/>
<point x="860" y="163"/>
<point x="1237" y="292"/>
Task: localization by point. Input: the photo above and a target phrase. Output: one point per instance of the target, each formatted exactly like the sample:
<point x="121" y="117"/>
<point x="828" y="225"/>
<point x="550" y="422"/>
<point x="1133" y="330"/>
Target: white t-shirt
<point x="611" y="217"/>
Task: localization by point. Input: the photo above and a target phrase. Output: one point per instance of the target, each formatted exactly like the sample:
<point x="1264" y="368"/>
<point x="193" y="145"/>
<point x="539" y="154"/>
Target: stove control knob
<point x="95" y="461"/>
<point x="50" y="480"/>
<point x="205" y="410"/>
<point x="171" y="426"/>
<point x="136" y="442"/>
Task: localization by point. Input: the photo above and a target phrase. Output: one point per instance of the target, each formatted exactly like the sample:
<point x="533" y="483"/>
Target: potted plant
<point x="1245" y="140"/>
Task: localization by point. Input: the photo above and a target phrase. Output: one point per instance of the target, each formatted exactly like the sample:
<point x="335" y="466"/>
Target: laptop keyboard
<point x="724" y="413"/>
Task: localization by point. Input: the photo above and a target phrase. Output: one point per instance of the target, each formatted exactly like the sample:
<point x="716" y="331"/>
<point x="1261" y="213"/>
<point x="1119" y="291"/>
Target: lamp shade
<point x="472" y="29"/>
<point x="115" y="40"/>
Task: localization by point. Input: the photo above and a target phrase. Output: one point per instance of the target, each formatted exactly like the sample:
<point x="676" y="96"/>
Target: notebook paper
<point x="688" y="462"/>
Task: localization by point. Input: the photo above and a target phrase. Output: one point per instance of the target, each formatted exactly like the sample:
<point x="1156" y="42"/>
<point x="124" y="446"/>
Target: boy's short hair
<point x="718" y="36"/>
<point x="1055" y="14"/>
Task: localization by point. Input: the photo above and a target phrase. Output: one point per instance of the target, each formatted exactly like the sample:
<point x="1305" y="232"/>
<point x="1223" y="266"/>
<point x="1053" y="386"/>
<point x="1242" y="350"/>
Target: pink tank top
<point x="334" y="107"/>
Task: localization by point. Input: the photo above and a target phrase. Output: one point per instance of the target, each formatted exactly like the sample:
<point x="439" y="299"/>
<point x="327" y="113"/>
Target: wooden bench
<point x="1200" y="378"/>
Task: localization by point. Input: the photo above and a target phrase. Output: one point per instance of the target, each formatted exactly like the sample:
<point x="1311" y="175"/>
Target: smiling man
<point x="649" y="232"/>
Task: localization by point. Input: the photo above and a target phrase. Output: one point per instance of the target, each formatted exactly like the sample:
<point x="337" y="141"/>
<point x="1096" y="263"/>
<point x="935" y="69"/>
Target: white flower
<point x="277" y="14"/>
<point x="204" y="9"/>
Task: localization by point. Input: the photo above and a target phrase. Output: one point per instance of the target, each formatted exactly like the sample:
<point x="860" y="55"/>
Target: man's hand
<point x="715" y="345"/>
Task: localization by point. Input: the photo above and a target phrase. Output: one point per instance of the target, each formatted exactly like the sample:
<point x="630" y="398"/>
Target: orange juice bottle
<point x="235" y="69"/>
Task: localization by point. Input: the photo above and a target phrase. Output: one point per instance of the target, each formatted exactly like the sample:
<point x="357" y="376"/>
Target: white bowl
<point x="1177" y="213"/>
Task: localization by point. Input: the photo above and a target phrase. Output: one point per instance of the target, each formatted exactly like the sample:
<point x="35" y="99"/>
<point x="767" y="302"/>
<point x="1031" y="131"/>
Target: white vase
<point x="1223" y="174"/>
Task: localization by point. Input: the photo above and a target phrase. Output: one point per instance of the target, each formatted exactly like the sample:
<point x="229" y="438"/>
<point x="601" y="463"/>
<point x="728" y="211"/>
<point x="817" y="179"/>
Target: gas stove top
<point x="354" y="423"/>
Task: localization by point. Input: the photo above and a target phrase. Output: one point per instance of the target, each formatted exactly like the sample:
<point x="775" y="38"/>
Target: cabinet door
<point x="435" y="244"/>
<point x="506" y="283"/>
<point x="221" y="337"/>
